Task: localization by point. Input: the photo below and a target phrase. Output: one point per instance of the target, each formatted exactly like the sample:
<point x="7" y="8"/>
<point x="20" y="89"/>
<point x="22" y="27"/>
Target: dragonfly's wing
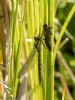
<point x="26" y="66"/>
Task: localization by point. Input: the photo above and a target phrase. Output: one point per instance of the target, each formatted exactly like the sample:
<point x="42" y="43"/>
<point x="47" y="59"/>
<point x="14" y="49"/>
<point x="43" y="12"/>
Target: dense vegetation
<point x="22" y="27"/>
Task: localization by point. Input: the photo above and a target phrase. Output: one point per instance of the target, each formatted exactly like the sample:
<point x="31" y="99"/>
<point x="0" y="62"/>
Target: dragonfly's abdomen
<point x="37" y="45"/>
<point x="39" y="63"/>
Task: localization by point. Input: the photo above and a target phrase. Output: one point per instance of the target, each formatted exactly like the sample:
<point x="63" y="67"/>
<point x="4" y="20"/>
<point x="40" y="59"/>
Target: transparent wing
<point x="26" y="66"/>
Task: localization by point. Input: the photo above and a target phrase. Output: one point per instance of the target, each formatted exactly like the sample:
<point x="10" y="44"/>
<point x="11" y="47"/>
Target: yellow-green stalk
<point x="50" y="63"/>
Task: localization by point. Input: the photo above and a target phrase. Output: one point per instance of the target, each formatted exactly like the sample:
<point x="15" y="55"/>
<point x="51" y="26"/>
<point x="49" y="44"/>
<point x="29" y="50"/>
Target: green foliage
<point x="27" y="20"/>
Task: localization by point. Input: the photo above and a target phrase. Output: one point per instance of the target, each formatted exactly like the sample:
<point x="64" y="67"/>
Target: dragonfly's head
<point x="46" y="27"/>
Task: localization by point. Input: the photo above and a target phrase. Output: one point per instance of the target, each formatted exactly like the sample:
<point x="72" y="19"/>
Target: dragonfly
<point x="26" y="66"/>
<point x="37" y="47"/>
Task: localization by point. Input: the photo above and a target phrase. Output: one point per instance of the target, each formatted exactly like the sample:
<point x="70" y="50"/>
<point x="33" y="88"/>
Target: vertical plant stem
<point x="46" y="11"/>
<point x="36" y="9"/>
<point x="45" y="22"/>
<point x="36" y="14"/>
<point x="50" y="63"/>
<point x="41" y="22"/>
<point x="52" y="44"/>
<point x="41" y="15"/>
<point x="31" y="30"/>
<point x="14" y="53"/>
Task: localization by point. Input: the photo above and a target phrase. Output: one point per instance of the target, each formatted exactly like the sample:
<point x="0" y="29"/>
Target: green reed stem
<point x="50" y="63"/>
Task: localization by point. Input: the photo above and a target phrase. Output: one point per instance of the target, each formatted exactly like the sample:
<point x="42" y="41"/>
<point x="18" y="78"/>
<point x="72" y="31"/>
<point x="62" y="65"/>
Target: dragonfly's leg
<point x="43" y="44"/>
<point x="36" y="44"/>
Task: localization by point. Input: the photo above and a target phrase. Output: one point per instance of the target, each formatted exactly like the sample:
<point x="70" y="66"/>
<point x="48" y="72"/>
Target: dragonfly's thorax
<point x="47" y="28"/>
<point x="37" y="42"/>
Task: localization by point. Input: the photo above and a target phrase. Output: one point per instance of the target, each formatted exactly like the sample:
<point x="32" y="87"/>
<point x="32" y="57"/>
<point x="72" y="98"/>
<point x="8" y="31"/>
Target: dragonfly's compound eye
<point x="45" y="26"/>
<point x="34" y="38"/>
